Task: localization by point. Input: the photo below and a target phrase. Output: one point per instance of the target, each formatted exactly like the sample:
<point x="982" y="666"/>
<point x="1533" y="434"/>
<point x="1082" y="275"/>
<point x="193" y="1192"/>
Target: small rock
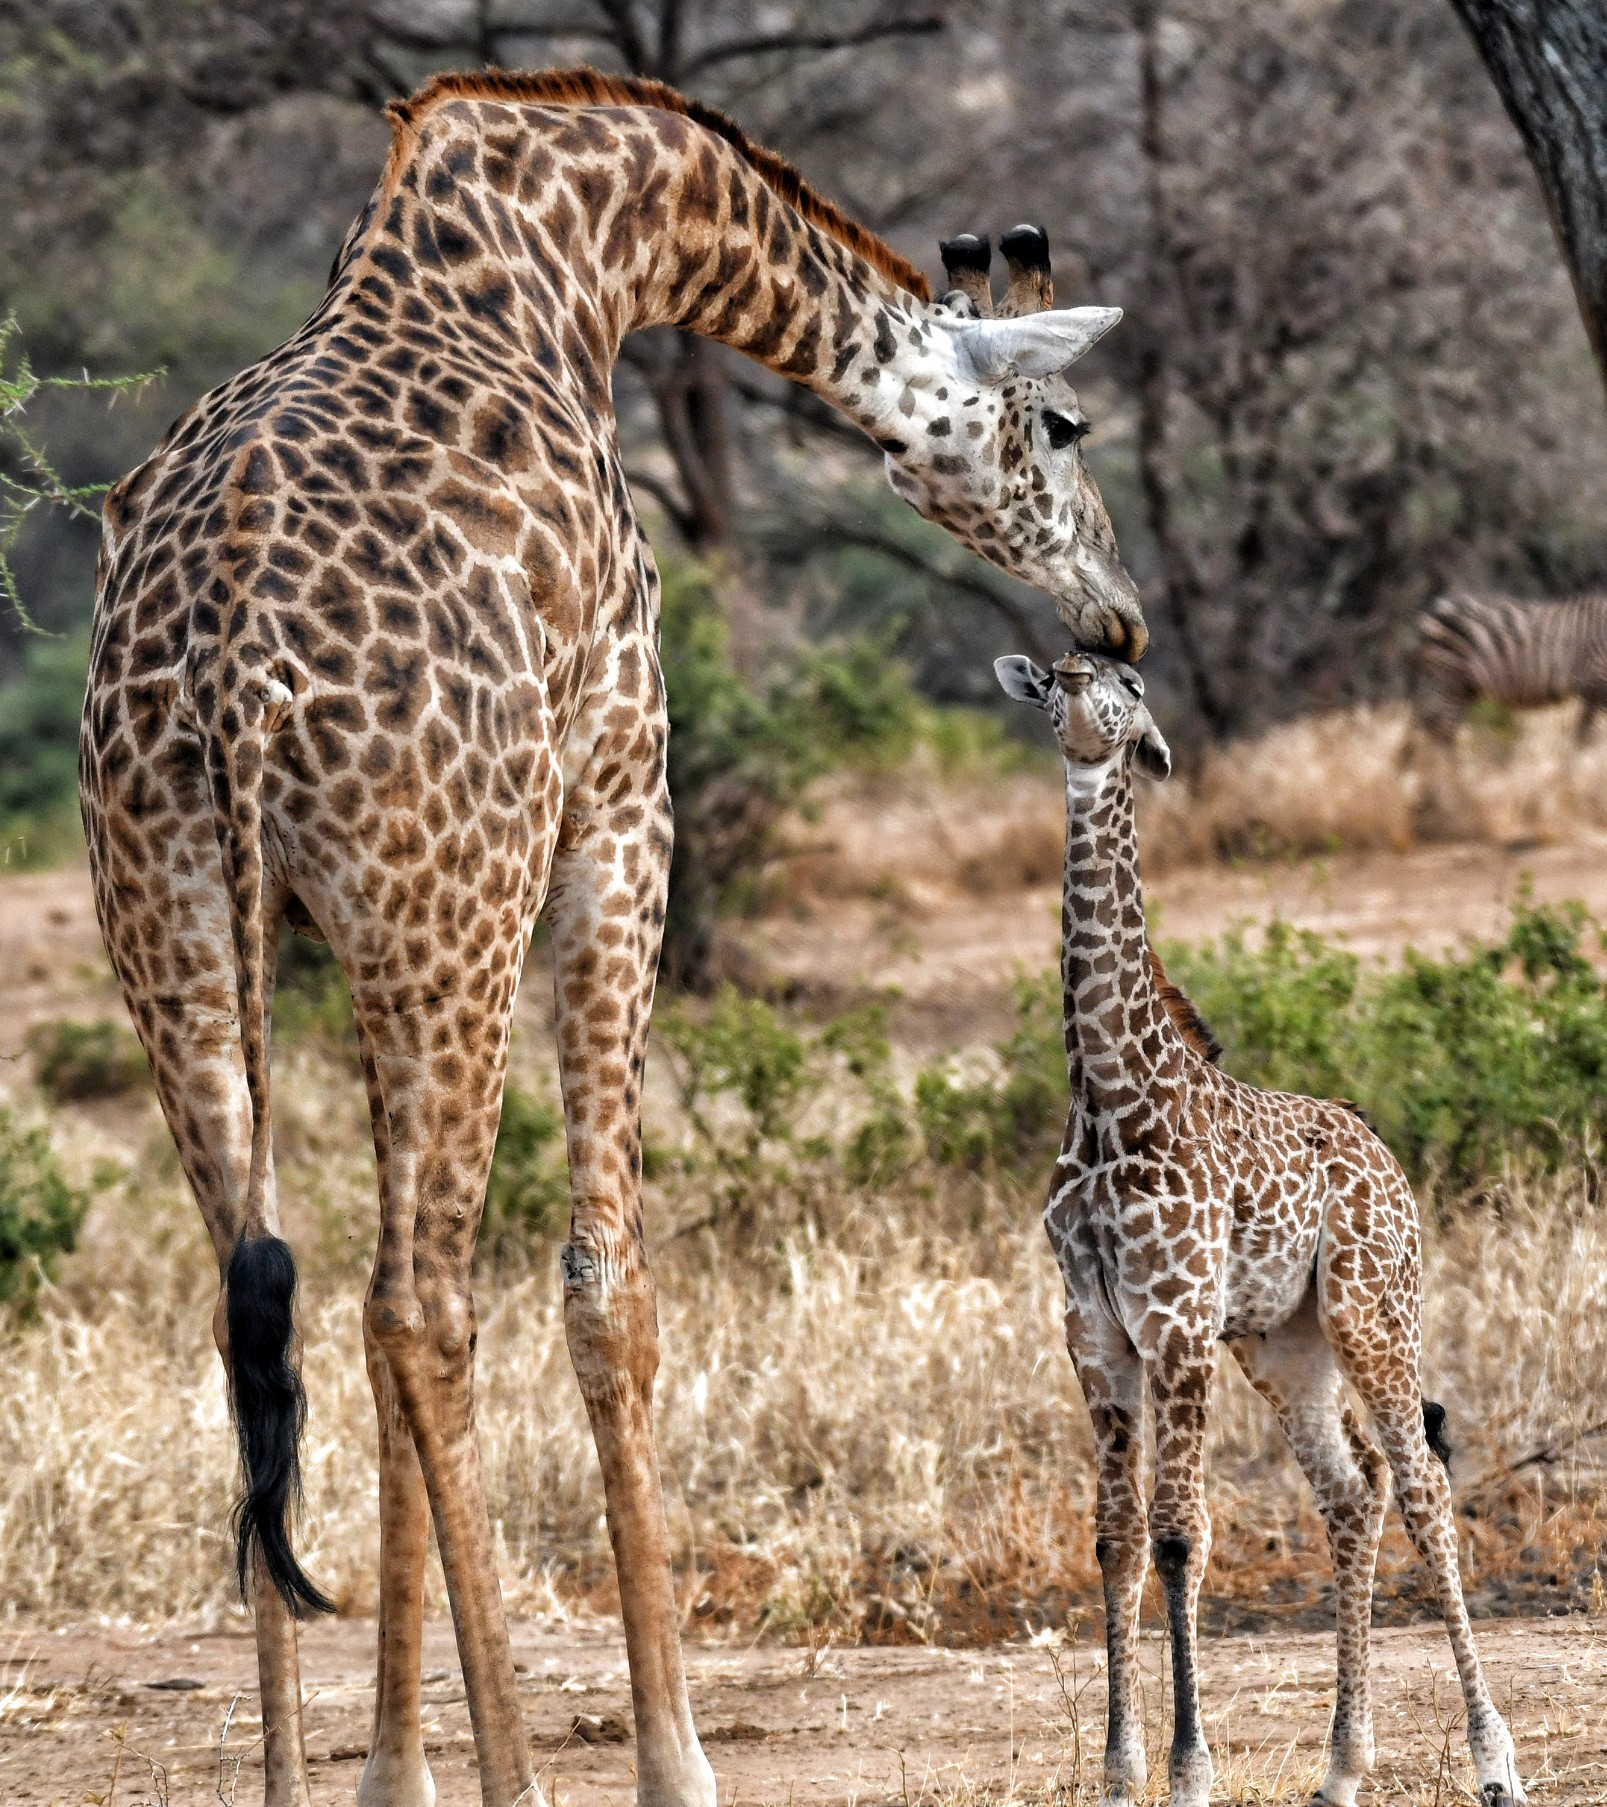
<point x="591" y="1728"/>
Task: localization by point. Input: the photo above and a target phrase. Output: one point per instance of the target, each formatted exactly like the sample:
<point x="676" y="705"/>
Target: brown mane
<point x="591" y="88"/>
<point x="1186" y="1019"/>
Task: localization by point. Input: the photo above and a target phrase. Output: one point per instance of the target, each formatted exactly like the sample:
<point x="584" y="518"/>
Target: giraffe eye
<point x="1062" y="431"/>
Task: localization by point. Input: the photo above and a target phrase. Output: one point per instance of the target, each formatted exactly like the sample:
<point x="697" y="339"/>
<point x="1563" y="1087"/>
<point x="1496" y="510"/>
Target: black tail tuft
<point x="1434" y="1429"/>
<point x="269" y="1410"/>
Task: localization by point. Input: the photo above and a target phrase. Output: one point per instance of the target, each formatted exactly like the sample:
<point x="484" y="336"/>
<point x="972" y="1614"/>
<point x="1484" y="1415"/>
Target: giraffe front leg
<point x="1116" y="1408"/>
<point x="606" y="910"/>
<point x="1180" y="1536"/>
<point x="1112" y="1380"/>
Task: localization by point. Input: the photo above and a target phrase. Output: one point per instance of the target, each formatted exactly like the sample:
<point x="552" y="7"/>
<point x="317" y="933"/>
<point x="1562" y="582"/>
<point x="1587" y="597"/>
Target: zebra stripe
<point x="1523" y="654"/>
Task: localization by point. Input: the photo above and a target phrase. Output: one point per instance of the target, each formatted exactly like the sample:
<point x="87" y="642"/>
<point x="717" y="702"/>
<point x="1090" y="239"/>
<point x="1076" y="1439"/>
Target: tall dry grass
<point x="1355" y="780"/>
<point x="867" y="1415"/>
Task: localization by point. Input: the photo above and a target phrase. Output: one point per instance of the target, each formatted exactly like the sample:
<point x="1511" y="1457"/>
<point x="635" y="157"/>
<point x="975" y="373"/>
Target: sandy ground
<point x="785" y="1725"/>
<point x="951" y="959"/>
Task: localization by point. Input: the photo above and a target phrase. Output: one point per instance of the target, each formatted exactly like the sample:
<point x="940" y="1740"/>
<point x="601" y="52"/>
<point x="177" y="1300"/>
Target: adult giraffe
<point x="375" y="649"/>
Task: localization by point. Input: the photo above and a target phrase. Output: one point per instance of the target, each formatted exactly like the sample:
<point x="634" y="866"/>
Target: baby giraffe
<point x="1188" y="1209"/>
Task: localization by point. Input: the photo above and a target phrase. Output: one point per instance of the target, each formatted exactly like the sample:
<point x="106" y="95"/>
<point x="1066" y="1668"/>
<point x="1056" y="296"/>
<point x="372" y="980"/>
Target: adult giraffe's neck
<point x="561" y="230"/>
<point x="1122" y="1048"/>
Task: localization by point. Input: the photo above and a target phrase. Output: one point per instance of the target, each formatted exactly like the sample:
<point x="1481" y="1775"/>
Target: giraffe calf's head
<point x="1096" y="708"/>
<point x="990" y="441"/>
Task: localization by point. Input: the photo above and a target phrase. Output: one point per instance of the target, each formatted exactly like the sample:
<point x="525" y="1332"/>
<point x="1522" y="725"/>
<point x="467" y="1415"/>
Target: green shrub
<point x="780" y="1109"/>
<point x="1013" y="1118"/>
<point x="1487" y="1055"/>
<point x="749" y="1080"/>
<point x="310" y="1000"/>
<point x="741" y="755"/>
<point x="40" y="1213"/>
<point x="39" y="713"/>
<point x="527" y="1197"/>
<point x="743" y="1056"/>
<point x="75" y="1061"/>
<point x="1282" y="1005"/>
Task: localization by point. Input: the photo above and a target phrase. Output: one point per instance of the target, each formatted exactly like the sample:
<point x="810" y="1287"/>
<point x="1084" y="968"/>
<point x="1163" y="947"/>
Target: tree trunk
<point x="690" y="396"/>
<point x="1548" y="59"/>
<point x="1180" y="582"/>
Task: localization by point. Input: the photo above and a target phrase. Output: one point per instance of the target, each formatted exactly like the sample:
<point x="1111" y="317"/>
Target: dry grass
<point x="1362" y="779"/>
<point x="869" y="1424"/>
<point x="1357" y="780"/>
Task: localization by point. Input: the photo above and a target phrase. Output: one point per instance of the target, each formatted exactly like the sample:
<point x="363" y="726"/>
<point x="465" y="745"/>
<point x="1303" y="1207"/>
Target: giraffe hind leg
<point x="396" y="1774"/>
<point x="438" y="1063"/>
<point x="181" y="996"/>
<point x="600" y="901"/>
<point x="1296" y="1372"/>
<point x="1386" y="1378"/>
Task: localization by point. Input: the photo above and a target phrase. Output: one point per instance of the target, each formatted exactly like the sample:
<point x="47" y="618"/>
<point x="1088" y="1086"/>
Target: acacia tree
<point x="1548" y="59"/>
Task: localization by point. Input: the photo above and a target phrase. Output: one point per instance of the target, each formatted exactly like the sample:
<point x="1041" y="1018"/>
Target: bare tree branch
<point x="680" y="517"/>
<point x="765" y="44"/>
<point x="952" y="573"/>
<point x="621" y="16"/>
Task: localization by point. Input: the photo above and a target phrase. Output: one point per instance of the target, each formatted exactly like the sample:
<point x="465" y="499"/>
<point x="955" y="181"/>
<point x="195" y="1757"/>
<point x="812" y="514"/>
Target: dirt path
<point x="950" y="956"/>
<point x="956" y="1726"/>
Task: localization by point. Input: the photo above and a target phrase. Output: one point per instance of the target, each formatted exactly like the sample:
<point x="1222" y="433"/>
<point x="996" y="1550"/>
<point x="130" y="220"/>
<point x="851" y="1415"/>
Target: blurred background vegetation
<point x="1351" y="375"/>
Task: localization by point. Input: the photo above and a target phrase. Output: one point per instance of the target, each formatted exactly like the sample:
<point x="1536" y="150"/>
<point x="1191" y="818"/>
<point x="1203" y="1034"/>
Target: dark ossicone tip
<point x="1032" y="288"/>
<point x="1027" y="246"/>
<point x="966" y="252"/>
<point x="965" y="262"/>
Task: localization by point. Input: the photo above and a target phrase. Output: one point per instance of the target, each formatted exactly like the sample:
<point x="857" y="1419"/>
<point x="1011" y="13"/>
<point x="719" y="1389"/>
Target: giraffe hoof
<point x="1497" y="1794"/>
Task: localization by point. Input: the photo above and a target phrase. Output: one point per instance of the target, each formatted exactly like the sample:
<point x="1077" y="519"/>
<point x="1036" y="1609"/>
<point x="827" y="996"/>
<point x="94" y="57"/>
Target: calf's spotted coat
<point x="375" y="651"/>
<point x="1188" y="1209"/>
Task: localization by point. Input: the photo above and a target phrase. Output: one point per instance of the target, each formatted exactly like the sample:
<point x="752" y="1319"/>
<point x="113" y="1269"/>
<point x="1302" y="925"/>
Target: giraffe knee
<point x="610" y="1315"/>
<point x="416" y="1327"/>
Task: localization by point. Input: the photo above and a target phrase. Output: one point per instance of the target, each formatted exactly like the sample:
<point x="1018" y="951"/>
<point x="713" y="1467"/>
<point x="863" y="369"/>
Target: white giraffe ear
<point x="1035" y="345"/>
<point x="1022" y="681"/>
<point x="1151" y="755"/>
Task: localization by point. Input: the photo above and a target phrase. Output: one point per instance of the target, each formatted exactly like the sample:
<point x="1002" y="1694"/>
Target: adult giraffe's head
<point x="989" y="445"/>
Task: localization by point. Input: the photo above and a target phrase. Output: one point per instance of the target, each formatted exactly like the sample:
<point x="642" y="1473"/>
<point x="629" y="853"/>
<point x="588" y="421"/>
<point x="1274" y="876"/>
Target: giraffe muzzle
<point x="1106" y="617"/>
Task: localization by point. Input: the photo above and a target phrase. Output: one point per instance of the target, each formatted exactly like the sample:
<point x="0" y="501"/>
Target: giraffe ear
<point x="1151" y="754"/>
<point x="1035" y="345"/>
<point x="1022" y="681"/>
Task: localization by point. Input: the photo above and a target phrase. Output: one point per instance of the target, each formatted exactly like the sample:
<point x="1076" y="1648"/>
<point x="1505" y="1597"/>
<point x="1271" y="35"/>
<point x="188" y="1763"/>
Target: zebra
<point x="1523" y="654"/>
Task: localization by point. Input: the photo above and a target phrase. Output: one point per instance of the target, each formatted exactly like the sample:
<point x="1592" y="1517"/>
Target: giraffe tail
<point x="1434" y="1430"/>
<point x="265" y="1391"/>
<point x="270" y="1408"/>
